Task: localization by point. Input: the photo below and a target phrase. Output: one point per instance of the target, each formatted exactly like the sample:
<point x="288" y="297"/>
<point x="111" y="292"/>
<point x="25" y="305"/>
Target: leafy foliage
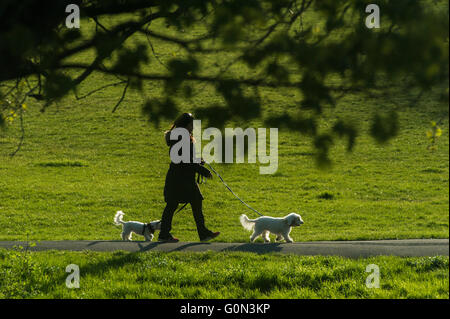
<point x="269" y="39"/>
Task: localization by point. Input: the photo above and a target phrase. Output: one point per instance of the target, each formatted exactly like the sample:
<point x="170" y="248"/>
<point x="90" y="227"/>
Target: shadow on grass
<point x="121" y="257"/>
<point x="62" y="164"/>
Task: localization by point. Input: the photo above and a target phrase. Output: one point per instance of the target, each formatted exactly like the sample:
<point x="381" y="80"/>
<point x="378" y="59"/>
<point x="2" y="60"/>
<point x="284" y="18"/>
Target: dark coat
<point x="180" y="185"/>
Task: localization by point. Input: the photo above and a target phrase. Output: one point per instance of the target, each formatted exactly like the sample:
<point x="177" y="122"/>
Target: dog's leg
<point x="256" y="232"/>
<point x="265" y="236"/>
<point x="287" y="237"/>
<point x="279" y="237"/>
<point x="148" y="236"/>
<point x="254" y="235"/>
<point x="124" y="236"/>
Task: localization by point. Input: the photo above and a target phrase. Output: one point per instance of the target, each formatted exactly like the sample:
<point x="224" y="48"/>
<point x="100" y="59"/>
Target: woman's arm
<point x="192" y="165"/>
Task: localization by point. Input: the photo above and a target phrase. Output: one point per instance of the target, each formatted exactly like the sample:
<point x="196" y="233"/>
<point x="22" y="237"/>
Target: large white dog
<point x="280" y="226"/>
<point x="128" y="228"/>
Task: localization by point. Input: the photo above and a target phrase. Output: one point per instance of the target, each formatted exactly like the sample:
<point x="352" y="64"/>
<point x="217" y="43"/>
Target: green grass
<point x="217" y="275"/>
<point x="80" y="163"/>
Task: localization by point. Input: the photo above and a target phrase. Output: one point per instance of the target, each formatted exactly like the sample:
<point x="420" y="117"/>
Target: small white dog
<point x="139" y="228"/>
<point x="280" y="226"/>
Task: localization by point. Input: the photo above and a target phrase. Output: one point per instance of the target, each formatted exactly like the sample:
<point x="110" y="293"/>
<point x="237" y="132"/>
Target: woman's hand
<point x="209" y="174"/>
<point x="202" y="170"/>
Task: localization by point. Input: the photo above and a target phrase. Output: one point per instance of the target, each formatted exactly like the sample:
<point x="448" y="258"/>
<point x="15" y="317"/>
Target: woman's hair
<point x="183" y="120"/>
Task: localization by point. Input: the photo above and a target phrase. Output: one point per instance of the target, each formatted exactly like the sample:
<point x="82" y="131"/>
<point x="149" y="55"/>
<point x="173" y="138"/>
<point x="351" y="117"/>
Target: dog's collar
<point x="150" y="227"/>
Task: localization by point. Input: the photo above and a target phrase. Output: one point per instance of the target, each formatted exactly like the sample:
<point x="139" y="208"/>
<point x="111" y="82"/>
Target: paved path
<point x="353" y="249"/>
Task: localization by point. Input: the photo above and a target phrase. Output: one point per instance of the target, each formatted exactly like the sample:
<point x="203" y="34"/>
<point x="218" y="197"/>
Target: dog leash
<point x="201" y="181"/>
<point x="180" y="209"/>
<point x="228" y="187"/>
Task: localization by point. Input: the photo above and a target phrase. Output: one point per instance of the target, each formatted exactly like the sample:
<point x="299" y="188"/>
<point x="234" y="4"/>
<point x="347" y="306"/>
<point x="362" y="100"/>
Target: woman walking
<point x="181" y="187"/>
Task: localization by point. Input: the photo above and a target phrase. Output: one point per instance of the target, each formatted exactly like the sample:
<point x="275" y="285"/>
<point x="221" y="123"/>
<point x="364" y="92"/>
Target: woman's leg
<point x="166" y="220"/>
<point x="197" y="210"/>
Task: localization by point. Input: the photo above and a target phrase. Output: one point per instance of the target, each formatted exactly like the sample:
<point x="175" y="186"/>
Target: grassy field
<point x="80" y="163"/>
<point x="217" y="275"/>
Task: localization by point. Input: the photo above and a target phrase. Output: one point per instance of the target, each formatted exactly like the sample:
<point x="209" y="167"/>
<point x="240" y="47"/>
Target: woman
<point x="181" y="187"/>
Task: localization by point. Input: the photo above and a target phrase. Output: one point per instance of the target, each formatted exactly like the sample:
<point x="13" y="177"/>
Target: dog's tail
<point x="248" y="224"/>
<point x="118" y="217"/>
